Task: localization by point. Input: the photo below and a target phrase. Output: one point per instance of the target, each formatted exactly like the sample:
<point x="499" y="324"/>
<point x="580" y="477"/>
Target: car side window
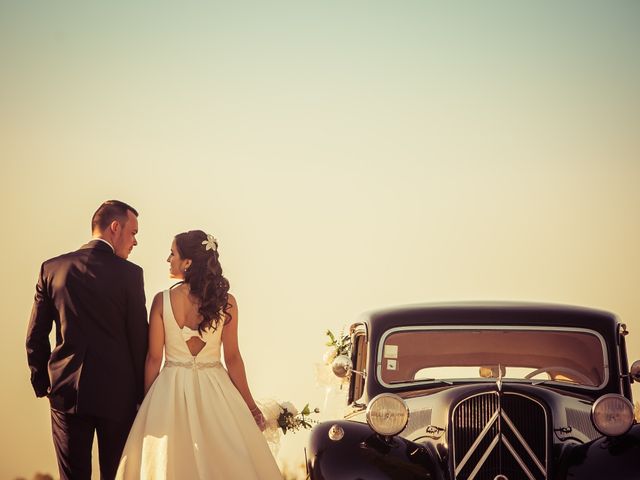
<point x="359" y="359"/>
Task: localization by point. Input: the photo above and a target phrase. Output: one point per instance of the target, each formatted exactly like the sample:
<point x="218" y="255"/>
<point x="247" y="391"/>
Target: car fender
<point x="606" y="457"/>
<point x="361" y="453"/>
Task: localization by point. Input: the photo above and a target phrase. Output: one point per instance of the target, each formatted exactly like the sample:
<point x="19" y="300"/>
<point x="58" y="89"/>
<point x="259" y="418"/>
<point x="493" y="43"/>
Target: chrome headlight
<point x="387" y="414"/>
<point x="612" y="415"/>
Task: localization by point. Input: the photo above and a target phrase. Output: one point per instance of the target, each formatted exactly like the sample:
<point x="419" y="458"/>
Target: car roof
<point x="491" y="313"/>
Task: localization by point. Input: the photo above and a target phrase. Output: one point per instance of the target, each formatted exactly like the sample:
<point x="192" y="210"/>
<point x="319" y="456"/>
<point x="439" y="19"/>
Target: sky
<point x="347" y="155"/>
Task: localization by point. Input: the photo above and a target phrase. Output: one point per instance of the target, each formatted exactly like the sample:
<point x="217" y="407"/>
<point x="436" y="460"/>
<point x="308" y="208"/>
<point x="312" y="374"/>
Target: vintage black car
<point x="485" y="392"/>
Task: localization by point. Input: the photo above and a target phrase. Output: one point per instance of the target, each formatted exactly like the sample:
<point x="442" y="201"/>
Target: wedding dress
<point x="193" y="422"/>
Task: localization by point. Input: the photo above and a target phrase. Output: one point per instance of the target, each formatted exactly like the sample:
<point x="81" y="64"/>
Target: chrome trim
<point x="379" y="352"/>
<point x="622" y="332"/>
<point x="358" y="328"/>
<point x="484" y="457"/>
<point x="475" y="444"/>
<point x="513" y="452"/>
<point x="545" y="468"/>
<point x="523" y="442"/>
<point x="599" y="400"/>
<point x="499" y="413"/>
<point x="384" y="395"/>
<point x="634" y="371"/>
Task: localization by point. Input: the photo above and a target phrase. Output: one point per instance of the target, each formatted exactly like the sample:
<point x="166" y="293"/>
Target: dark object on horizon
<point x="38" y="476"/>
<point x="42" y="476"/>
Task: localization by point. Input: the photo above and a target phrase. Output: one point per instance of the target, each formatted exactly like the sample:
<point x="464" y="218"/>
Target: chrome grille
<point x="499" y="433"/>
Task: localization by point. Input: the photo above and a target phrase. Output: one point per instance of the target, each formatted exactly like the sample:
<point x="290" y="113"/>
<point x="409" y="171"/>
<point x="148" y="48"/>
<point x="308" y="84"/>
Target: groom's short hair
<point x="108" y="212"/>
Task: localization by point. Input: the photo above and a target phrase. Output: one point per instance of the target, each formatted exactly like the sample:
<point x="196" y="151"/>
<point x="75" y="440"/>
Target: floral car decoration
<point x="283" y="417"/>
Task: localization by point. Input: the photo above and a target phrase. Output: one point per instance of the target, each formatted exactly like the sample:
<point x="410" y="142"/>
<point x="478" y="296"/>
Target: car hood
<point x="430" y="410"/>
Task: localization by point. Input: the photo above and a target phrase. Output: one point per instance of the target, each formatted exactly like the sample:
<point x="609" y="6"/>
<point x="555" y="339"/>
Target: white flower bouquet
<point x="284" y="417"/>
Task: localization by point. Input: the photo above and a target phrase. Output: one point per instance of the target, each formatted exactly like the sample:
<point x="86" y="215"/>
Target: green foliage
<point x="342" y="343"/>
<point x="288" y="422"/>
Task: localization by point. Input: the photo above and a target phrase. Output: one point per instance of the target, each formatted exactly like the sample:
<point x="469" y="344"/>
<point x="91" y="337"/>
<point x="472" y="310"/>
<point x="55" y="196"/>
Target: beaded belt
<point x="194" y="365"/>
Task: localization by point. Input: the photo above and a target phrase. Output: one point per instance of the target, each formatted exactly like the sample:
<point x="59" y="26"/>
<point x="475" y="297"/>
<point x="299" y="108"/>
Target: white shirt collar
<point x="103" y="240"/>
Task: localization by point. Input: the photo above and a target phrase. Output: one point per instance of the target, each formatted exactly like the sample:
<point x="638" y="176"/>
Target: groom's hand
<point x="43" y="391"/>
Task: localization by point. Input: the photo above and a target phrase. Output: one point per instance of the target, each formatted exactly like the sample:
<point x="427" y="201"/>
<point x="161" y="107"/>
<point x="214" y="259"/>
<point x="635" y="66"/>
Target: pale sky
<point x="348" y="155"/>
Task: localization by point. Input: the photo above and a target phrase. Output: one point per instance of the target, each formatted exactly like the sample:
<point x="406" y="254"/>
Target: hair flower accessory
<point x="210" y="243"/>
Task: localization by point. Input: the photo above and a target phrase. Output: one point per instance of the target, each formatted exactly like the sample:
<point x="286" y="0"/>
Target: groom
<point x="94" y="377"/>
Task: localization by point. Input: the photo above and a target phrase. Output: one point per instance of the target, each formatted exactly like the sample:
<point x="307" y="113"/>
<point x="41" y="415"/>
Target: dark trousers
<point x="73" y="441"/>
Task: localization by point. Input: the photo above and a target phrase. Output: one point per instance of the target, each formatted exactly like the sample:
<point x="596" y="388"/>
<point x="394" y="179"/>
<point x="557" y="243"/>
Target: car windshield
<point x="575" y="357"/>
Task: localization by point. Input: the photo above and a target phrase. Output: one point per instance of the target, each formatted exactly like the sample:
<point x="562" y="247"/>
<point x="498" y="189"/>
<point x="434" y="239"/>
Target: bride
<point x="198" y="420"/>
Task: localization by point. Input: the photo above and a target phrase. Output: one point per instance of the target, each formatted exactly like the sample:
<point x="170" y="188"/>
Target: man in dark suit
<point x="94" y="377"/>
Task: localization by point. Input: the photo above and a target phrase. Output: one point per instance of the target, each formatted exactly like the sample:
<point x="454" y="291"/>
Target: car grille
<point x="499" y="434"/>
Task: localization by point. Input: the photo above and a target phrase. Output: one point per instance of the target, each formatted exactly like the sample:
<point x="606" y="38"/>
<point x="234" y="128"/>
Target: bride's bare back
<point x="185" y="311"/>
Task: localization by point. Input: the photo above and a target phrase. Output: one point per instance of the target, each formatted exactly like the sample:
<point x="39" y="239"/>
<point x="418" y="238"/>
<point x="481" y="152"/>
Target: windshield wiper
<point x="448" y="382"/>
<point x="539" y="381"/>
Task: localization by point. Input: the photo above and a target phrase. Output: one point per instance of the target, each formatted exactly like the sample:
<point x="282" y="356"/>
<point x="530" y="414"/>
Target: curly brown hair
<point x="205" y="279"/>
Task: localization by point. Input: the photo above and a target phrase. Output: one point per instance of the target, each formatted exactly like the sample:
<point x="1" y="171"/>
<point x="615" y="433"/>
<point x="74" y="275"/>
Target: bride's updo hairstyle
<point x="204" y="277"/>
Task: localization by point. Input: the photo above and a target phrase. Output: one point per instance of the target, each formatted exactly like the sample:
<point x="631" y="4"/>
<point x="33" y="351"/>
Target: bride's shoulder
<point x="231" y="300"/>
<point x="158" y="298"/>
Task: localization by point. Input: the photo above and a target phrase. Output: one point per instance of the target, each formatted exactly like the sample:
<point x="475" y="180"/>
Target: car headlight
<point x="612" y="415"/>
<point x="387" y="414"/>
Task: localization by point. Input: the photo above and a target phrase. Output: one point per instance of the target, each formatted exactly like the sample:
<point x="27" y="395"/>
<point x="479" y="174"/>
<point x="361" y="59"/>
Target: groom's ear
<point x="114" y="226"/>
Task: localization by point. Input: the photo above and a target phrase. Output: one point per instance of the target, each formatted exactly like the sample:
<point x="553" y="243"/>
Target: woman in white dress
<point x="198" y="420"/>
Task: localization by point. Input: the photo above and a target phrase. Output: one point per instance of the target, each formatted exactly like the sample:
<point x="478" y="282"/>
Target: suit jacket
<point x="97" y="302"/>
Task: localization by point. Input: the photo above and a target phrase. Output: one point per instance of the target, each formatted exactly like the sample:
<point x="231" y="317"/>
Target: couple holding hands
<point x="192" y="419"/>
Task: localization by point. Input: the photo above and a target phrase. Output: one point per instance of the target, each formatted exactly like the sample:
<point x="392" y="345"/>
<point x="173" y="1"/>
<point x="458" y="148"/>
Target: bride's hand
<point x="258" y="417"/>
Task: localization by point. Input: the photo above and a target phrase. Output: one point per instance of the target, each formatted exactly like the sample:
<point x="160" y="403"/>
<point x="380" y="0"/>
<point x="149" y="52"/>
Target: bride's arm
<point x="235" y="364"/>
<point x="156" y="343"/>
